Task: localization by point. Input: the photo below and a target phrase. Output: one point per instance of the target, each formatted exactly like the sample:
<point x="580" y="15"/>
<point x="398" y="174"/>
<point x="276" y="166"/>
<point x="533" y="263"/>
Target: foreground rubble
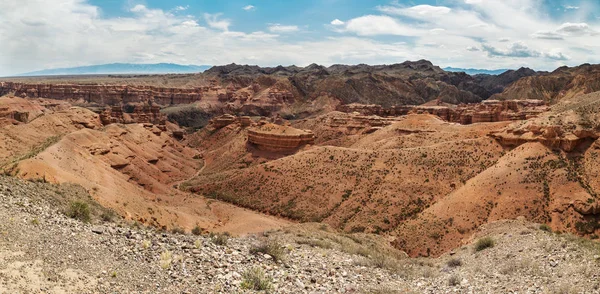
<point x="43" y="251"/>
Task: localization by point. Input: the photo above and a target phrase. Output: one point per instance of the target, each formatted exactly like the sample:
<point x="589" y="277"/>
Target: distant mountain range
<point x="121" y="68"/>
<point x="474" y="71"/>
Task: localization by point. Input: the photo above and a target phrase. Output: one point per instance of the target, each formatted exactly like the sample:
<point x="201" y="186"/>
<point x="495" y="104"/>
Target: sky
<point x="489" y="34"/>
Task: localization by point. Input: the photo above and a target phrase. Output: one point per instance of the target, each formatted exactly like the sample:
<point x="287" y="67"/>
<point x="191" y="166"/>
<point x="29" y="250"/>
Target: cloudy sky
<point x="491" y="34"/>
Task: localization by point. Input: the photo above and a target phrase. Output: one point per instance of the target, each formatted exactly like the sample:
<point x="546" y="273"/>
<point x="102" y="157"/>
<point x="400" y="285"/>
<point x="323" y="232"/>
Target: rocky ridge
<point x="486" y="111"/>
<point x="562" y="84"/>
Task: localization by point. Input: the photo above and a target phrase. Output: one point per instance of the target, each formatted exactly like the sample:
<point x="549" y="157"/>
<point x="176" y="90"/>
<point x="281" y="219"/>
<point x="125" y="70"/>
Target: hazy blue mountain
<point x="473" y="71"/>
<point x="121" y="68"/>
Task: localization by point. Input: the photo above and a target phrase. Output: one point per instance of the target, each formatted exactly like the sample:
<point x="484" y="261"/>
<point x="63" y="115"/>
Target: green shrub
<point x="80" y="211"/>
<point x="255" y="279"/>
<point x="545" y="227"/>
<point x="484" y="243"/>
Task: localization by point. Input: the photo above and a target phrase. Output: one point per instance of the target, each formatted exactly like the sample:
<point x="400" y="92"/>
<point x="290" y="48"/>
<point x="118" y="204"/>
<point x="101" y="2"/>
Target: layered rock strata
<point x="145" y="113"/>
<point x="486" y="111"/>
<point x="277" y="138"/>
<point x="104" y="94"/>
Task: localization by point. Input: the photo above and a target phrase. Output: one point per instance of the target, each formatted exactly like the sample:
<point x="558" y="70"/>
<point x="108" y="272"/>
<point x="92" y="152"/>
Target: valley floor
<point x="43" y="251"/>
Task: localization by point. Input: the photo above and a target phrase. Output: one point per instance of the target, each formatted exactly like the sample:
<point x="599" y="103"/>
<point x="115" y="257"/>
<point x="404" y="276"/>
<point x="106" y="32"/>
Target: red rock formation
<point x="104" y="94"/>
<point x="223" y="121"/>
<point x="145" y="113"/>
<point x="276" y="138"/>
<point x="486" y="111"/>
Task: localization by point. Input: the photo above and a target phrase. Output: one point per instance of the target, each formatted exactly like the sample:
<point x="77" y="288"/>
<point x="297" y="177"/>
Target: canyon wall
<point x="486" y="111"/>
<point x="104" y="94"/>
<point x="148" y="114"/>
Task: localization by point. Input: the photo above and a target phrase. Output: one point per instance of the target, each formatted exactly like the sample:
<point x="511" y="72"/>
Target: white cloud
<point x="38" y="34"/>
<point x="182" y="8"/>
<point x="575" y="29"/>
<point x="417" y="11"/>
<point x="249" y="7"/>
<point x="517" y="49"/>
<point x="278" y="28"/>
<point x="372" y="25"/>
<point x="213" y="21"/>
<point x="337" y="22"/>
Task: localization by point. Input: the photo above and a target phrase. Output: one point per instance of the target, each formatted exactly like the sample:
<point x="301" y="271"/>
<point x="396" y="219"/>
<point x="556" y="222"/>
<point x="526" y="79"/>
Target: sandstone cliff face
<point x="103" y="94"/>
<point x="143" y="113"/>
<point x="276" y="138"/>
<point x="486" y="111"/>
<point x="563" y="83"/>
<point x="569" y="125"/>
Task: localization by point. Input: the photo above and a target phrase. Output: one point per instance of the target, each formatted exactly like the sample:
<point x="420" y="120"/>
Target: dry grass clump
<point x="255" y="279"/>
<point x="454" y="262"/>
<point x="272" y="248"/>
<point x="79" y="210"/>
<point x="454" y="281"/>
<point x="484" y="243"/>
<point x="220" y="239"/>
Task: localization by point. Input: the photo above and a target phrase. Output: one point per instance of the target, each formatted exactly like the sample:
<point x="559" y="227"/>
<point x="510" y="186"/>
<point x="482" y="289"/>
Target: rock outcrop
<point x="486" y="111"/>
<point x="104" y="94"/>
<point x="563" y="83"/>
<point x="570" y="124"/>
<point x="143" y="113"/>
<point x="277" y="138"/>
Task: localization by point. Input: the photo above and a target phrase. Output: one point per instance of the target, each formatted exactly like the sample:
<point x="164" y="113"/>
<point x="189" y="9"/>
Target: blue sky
<point x="542" y="34"/>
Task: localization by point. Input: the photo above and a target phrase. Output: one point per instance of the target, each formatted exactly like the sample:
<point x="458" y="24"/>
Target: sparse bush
<point x="80" y="211"/>
<point x="107" y="216"/>
<point x="454" y="262"/>
<point x="316" y="243"/>
<point x="197" y="230"/>
<point x="545" y="227"/>
<point x="272" y="248"/>
<point x="255" y="279"/>
<point x="383" y="261"/>
<point x="484" y="243"/>
<point x="178" y="230"/>
<point x="35" y="222"/>
<point x="220" y="239"/>
<point x="454" y="281"/>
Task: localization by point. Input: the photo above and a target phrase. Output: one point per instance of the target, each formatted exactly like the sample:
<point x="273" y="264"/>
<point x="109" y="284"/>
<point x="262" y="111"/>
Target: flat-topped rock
<point x="272" y="137"/>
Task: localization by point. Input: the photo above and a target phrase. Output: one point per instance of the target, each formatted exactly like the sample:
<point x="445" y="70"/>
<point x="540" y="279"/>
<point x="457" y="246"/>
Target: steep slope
<point x="563" y="83"/>
<point x="530" y="181"/>
<point x="372" y="185"/>
<point x="497" y="83"/>
<point x="129" y="168"/>
<point x="398" y="84"/>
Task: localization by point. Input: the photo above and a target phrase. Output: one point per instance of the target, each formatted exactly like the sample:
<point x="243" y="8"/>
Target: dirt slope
<point x="129" y="168"/>
<point x="372" y="185"/>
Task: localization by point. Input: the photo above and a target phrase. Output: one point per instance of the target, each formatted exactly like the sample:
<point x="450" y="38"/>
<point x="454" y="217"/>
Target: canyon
<point x="394" y="150"/>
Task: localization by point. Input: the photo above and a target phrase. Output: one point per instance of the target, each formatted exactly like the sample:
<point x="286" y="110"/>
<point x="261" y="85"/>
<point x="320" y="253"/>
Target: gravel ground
<point x="43" y="251"/>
